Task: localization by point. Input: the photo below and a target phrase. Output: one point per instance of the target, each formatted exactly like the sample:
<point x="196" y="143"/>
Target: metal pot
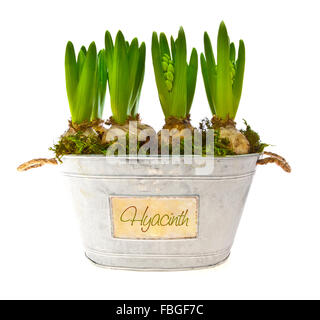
<point x="125" y="204"/>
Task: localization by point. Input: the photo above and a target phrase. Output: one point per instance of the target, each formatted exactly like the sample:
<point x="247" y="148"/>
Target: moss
<point x="83" y="144"/>
<point x="91" y="144"/>
<point x="256" y="146"/>
<point x="221" y="146"/>
<point x="78" y="144"/>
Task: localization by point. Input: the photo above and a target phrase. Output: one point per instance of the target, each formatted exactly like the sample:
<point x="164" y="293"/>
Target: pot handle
<point x="275" y="158"/>
<point x="36" y="163"/>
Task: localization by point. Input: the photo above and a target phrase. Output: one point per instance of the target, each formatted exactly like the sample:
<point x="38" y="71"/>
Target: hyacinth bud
<point x="169" y="85"/>
<point x="165" y="59"/>
<point x="168" y="70"/>
<point x="164" y="66"/>
<point x="169" y="76"/>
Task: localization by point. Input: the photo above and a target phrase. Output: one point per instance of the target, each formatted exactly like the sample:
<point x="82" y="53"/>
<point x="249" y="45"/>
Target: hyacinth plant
<point x="223" y="83"/>
<point x="122" y="65"/>
<point x="86" y="84"/>
<point x="126" y="65"/>
<point x="175" y="77"/>
<point x="86" y="80"/>
<point x="223" y="79"/>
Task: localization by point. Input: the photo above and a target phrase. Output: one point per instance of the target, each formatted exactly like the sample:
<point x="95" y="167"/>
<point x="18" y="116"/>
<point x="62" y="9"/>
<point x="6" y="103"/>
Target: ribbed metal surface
<point x="222" y="194"/>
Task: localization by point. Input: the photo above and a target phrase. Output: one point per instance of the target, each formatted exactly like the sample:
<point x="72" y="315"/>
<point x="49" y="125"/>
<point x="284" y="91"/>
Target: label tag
<point x="154" y="217"/>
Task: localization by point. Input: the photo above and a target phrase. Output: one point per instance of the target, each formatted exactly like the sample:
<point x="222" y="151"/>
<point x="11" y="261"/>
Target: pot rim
<point x="98" y="156"/>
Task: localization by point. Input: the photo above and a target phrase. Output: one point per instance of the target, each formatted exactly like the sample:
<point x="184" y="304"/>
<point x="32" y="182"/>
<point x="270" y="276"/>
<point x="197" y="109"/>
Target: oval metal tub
<point x="209" y="200"/>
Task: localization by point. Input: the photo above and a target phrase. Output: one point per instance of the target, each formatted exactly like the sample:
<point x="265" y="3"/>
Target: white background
<point x="276" y="252"/>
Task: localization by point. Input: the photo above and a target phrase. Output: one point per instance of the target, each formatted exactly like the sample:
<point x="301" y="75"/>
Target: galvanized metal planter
<point x="141" y="214"/>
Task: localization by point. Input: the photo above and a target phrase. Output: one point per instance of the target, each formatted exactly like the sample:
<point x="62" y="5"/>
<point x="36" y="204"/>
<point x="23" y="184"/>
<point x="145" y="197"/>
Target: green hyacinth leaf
<point x="80" y="61"/>
<point x="173" y="49"/>
<point x="224" y="96"/>
<point x="209" y="53"/>
<point x="232" y="52"/>
<point x="119" y="80"/>
<point x="211" y="66"/>
<point x="103" y="74"/>
<point x="238" y="79"/>
<point x="139" y="79"/>
<point x="204" y="69"/>
<point x="158" y="72"/>
<point x="179" y="90"/>
<point x="83" y="49"/>
<point x="133" y="56"/>
<point x="71" y="75"/>
<point x="101" y="86"/>
<point x="164" y="46"/>
<point x="85" y="94"/>
<point x="192" y="70"/>
<point x="109" y="51"/>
